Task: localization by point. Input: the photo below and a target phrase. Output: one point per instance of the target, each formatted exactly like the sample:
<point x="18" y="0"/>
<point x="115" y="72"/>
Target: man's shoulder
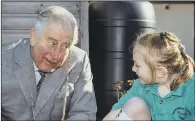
<point x="11" y="47"/>
<point x="9" y="50"/>
<point x="78" y="53"/>
<point x="77" y="50"/>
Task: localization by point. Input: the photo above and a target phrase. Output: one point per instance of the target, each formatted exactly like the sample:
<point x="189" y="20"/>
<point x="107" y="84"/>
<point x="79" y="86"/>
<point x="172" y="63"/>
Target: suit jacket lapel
<point x="25" y="72"/>
<point x="52" y="82"/>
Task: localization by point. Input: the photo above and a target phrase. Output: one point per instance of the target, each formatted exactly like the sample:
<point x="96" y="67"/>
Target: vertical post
<point x="84" y="31"/>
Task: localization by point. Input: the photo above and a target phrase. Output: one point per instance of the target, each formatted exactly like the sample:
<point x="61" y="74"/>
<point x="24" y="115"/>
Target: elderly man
<point x="46" y="77"/>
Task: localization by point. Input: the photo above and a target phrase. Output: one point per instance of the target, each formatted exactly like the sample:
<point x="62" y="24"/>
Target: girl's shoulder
<point x="190" y="82"/>
<point x="144" y="88"/>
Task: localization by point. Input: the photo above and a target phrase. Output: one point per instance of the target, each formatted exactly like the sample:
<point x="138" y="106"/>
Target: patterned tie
<point x="41" y="80"/>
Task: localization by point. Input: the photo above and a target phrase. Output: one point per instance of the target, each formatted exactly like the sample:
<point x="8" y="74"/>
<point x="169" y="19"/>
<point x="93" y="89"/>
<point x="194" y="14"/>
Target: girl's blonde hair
<point x="165" y="49"/>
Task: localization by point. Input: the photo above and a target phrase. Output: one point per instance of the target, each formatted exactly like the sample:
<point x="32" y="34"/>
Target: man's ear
<point x="32" y="37"/>
<point x="161" y="72"/>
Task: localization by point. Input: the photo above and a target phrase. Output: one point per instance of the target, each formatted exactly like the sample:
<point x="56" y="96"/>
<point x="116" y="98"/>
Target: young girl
<point x="165" y="87"/>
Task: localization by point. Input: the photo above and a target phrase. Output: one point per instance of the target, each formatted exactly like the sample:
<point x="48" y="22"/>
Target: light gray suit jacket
<point x="19" y="100"/>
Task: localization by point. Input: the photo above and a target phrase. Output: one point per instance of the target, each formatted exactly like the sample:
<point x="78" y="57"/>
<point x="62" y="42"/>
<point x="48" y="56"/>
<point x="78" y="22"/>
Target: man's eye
<point x="52" y="43"/>
<point x="65" y="46"/>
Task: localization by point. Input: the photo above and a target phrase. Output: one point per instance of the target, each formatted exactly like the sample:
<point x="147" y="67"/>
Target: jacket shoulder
<point x="8" y="52"/>
<point x="77" y="53"/>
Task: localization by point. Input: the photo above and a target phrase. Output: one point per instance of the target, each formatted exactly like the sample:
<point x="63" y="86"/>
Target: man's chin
<point x="54" y="68"/>
<point x="51" y="68"/>
<point x="48" y="70"/>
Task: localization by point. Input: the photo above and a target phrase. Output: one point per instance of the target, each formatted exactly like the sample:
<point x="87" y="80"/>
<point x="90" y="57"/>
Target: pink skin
<point x="144" y="73"/>
<point x="140" y="67"/>
<point x="52" y="49"/>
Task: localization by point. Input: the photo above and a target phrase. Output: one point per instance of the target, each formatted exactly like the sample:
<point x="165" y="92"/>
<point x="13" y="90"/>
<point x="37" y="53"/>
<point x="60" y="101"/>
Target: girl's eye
<point x="136" y="65"/>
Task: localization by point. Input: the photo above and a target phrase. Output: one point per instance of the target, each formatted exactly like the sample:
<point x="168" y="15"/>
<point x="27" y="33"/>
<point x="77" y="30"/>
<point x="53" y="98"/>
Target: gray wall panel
<point x="22" y="21"/>
<point x="19" y="16"/>
<point x="9" y="36"/>
<point x="179" y="19"/>
<point x="35" y="7"/>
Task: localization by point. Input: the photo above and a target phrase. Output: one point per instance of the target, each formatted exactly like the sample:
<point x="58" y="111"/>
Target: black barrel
<point x="113" y="26"/>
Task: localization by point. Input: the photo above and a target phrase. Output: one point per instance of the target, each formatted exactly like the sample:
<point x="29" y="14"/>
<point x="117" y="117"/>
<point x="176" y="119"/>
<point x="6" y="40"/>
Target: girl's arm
<point x="112" y="115"/>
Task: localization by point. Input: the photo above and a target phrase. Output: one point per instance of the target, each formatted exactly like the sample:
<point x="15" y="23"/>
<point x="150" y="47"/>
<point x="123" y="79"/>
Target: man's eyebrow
<point x="57" y="40"/>
<point x="52" y="38"/>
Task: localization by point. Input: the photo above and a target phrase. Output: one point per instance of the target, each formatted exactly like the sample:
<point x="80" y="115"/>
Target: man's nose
<point x="55" y="52"/>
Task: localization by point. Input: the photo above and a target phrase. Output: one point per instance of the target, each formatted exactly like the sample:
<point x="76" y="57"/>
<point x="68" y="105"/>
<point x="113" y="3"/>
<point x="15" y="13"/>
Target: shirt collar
<point x="152" y="88"/>
<point x="177" y="92"/>
<point x="35" y="67"/>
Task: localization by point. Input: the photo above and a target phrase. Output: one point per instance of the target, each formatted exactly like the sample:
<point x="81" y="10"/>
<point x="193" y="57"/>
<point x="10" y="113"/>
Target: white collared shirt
<point x="37" y="74"/>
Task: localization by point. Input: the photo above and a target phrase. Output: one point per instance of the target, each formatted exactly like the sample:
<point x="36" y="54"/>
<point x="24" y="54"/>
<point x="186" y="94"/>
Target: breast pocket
<point x="57" y="110"/>
<point x="59" y="102"/>
<point x="10" y="90"/>
<point x="181" y="113"/>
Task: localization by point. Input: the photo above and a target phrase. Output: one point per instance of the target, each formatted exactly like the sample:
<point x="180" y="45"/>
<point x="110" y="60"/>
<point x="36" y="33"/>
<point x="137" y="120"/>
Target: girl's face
<point x="140" y="67"/>
<point x="144" y="72"/>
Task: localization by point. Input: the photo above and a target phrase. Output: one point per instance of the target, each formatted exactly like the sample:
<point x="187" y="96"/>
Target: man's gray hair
<point x="56" y="14"/>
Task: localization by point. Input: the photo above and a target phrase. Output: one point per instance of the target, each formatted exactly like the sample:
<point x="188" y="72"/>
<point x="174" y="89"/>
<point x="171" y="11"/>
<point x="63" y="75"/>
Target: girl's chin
<point x="143" y="82"/>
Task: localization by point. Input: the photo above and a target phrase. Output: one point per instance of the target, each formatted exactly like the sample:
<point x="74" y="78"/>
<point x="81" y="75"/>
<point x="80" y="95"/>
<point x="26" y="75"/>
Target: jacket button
<point x="161" y="101"/>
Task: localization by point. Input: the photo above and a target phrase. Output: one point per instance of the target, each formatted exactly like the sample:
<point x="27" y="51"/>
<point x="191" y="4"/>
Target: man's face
<point x="51" y="50"/>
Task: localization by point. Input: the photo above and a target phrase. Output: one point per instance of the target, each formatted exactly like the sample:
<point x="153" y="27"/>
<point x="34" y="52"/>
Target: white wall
<point x="179" y="19"/>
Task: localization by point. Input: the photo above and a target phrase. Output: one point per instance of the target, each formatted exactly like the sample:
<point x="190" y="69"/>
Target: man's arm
<point x="83" y="102"/>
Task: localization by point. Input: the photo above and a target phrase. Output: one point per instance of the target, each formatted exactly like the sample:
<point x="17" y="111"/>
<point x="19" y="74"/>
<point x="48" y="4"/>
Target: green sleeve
<point x="132" y="92"/>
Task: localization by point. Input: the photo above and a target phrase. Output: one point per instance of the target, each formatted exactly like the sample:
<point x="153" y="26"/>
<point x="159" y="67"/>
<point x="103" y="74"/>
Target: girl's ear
<point x="161" y="72"/>
<point x="32" y="37"/>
